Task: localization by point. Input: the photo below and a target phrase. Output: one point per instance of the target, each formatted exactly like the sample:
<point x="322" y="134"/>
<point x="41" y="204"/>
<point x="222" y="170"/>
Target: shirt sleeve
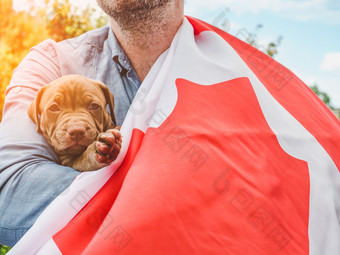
<point x="30" y="176"/>
<point x="38" y="68"/>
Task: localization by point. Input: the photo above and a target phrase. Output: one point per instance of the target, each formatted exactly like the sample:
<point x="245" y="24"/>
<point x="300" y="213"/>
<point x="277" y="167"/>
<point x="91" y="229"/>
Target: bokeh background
<point x="309" y="31"/>
<point x="303" y="35"/>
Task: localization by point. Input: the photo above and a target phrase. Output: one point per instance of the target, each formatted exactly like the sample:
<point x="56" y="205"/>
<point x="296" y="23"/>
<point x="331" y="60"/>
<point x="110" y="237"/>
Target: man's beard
<point x="130" y="14"/>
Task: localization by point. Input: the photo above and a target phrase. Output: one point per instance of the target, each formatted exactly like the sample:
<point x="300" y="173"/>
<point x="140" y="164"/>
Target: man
<point x="30" y="176"/>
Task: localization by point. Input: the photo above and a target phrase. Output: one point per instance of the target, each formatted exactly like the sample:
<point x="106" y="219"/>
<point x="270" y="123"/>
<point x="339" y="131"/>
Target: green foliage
<point x="4" y="249"/>
<point x="19" y="31"/>
<point x="323" y="95"/>
<point x="270" y="49"/>
<point x="221" y="21"/>
<point x="66" y="21"/>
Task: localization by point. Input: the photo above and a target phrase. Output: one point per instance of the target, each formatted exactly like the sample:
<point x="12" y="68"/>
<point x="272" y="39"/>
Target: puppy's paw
<point x="108" y="146"/>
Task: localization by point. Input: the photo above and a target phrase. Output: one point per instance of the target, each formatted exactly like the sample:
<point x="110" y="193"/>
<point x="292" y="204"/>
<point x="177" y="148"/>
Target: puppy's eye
<point x="94" y="106"/>
<point x="54" y="108"/>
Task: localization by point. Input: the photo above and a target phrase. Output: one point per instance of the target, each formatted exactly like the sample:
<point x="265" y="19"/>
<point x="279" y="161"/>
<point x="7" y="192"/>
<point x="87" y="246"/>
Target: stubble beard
<point x="135" y="15"/>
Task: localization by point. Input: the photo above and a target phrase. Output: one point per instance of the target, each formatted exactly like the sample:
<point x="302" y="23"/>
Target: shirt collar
<point x="117" y="53"/>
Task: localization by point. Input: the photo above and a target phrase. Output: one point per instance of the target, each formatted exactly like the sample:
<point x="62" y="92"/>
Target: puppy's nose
<point x="76" y="132"/>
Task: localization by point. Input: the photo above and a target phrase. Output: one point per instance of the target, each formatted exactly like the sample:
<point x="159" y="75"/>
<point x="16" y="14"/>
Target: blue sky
<point x="310" y="31"/>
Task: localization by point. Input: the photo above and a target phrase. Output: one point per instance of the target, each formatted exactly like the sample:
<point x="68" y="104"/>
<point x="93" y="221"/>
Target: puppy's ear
<point x="109" y="100"/>
<point x="34" y="109"/>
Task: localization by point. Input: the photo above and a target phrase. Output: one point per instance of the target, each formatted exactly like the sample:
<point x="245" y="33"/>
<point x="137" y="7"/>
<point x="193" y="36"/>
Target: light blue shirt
<point x="30" y="176"/>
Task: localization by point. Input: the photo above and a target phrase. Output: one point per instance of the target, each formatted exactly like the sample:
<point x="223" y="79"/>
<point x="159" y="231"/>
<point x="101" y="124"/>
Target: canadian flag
<point x="225" y="151"/>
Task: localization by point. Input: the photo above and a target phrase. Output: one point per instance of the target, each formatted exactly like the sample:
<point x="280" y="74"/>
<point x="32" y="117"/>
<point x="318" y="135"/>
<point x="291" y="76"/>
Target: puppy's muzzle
<point x="75" y="132"/>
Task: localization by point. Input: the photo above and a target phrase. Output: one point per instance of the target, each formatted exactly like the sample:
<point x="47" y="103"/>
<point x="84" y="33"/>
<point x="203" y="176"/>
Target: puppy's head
<point x="71" y="111"/>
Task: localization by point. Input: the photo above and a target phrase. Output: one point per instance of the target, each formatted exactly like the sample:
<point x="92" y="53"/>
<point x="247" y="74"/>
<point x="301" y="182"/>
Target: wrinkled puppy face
<point x="72" y="113"/>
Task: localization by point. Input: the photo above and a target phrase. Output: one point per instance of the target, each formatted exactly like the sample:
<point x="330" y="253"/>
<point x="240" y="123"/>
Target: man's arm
<point x="30" y="177"/>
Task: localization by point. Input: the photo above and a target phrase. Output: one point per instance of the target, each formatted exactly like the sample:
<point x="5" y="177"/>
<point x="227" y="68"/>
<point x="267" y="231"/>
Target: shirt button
<point x="17" y="89"/>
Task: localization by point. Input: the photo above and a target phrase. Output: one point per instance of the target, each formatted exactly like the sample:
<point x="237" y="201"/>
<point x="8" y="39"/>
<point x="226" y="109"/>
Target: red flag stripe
<point x="75" y="237"/>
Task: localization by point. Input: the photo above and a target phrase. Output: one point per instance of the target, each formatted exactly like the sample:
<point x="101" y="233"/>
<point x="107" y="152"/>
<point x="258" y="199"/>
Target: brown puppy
<point x="71" y="114"/>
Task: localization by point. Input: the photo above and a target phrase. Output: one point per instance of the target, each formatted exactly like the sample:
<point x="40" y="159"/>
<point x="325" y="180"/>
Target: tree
<point x="67" y="21"/>
<point x="323" y="95"/>
<point x="19" y="31"/>
<point x="221" y="21"/>
<point x="270" y="49"/>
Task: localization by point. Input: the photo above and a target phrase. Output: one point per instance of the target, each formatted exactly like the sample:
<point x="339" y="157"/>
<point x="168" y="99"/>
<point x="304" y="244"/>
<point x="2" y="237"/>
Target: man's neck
<point x="143" y="42"/>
